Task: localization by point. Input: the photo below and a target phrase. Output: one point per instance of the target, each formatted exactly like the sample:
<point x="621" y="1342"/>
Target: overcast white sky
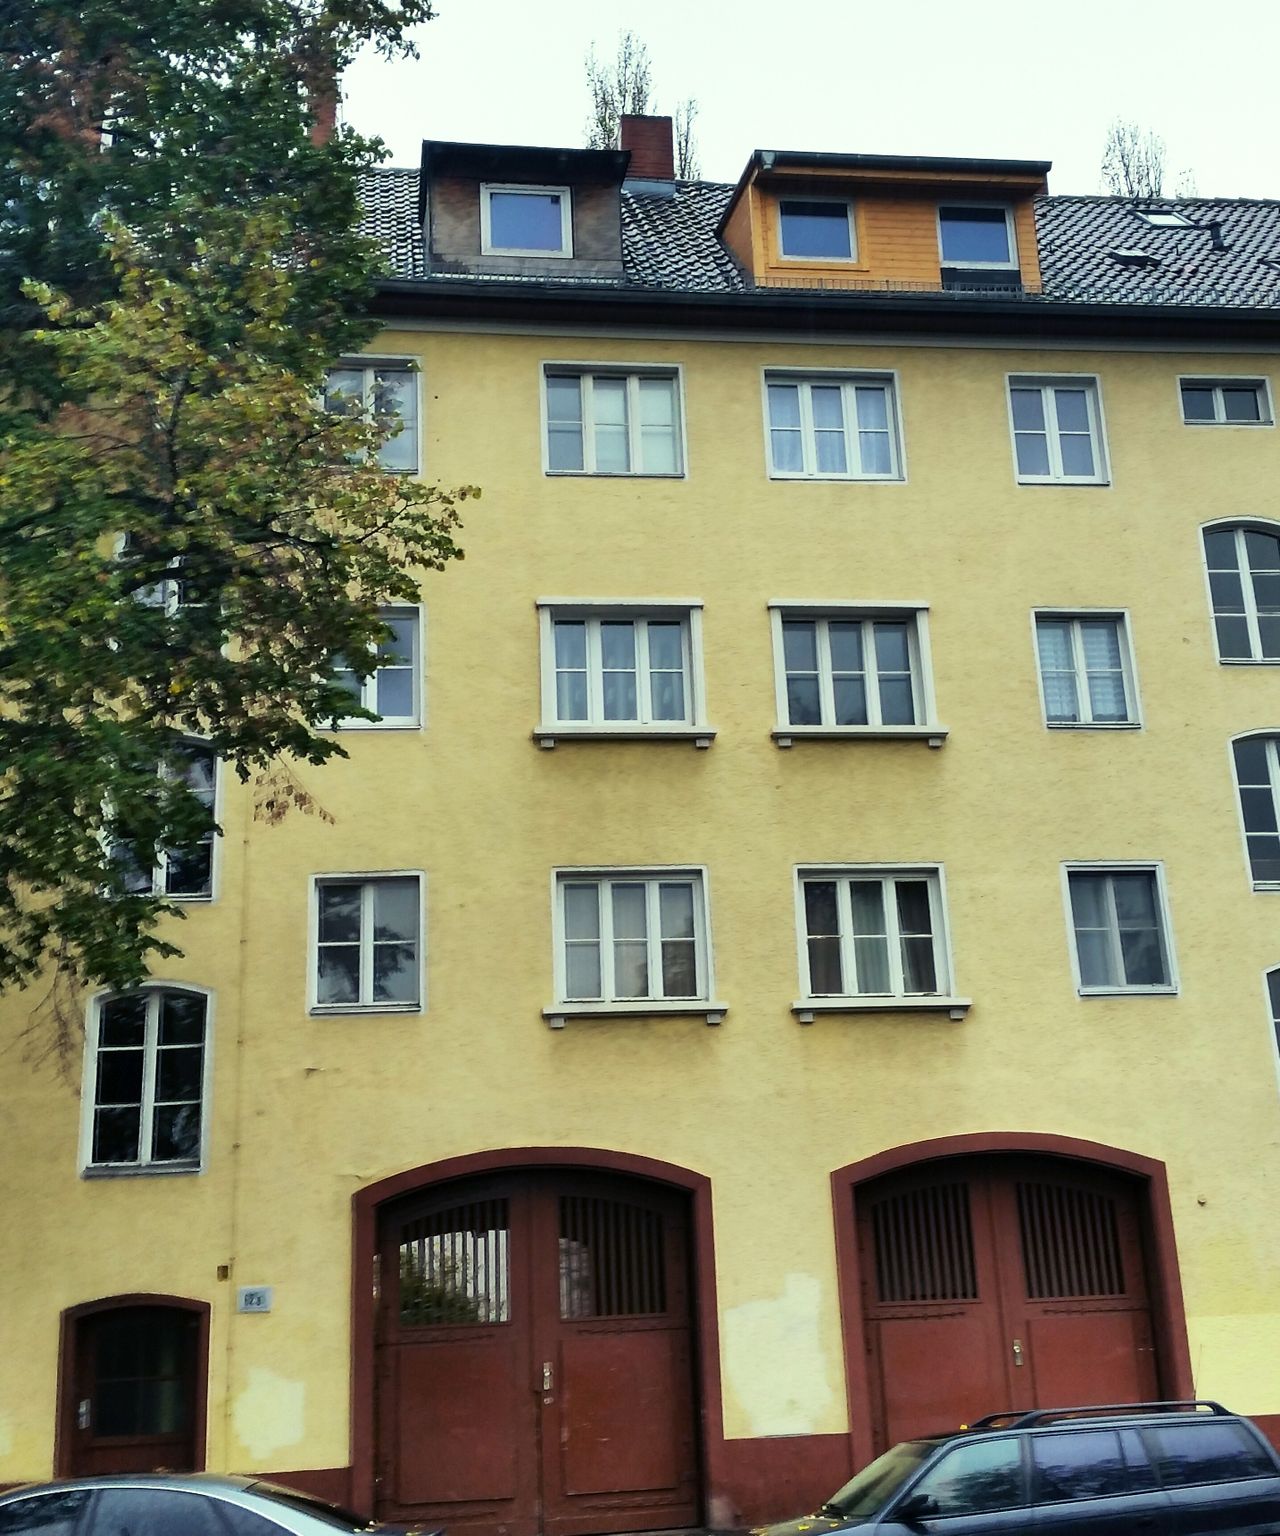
<point x="1039" y="80"/>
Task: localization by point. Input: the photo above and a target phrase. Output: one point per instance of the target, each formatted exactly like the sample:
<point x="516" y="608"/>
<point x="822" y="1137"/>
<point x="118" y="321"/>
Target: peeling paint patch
<point x="774" y="1362"/>
<point x="269" y="1414"/>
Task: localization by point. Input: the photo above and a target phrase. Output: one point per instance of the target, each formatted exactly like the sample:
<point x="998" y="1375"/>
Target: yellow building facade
<point x="842" y="952"/>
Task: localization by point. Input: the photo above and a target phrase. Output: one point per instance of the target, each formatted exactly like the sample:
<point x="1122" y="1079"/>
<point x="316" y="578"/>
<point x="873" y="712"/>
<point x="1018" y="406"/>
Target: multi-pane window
<point x="1057" y="430"/>
<point x="147" y="1076"/>
<point x="1119" y="926"/>
<point x="613" y="423"/>
<point x="1273" y="1001"/>
<point x="368" y="941"/>
<point x="814" y="229"/>
<point x="174" y="592"/>
<point x="1225" y="402"/>
<point x="529" y="221"/>
<point x="1086" y="672"/>
<point x="1257" y="762"/>
<point x="386" y="394"/>
<point x="394" y="687"/>
<point x="180" y="872"/>
<point x="829" y="428"/>
<point x="610" y="668"/>
<point x="873" y="933"/>
<point x="1244" y="589"/>
<point x="631" y="937"/>
<point x="970" y="235"/>
<point x="850" y="669"/>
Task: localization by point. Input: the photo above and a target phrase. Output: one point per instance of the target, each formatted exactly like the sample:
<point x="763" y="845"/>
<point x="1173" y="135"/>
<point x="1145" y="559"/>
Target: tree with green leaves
<point x="623" y="87"/>
<point x="188" y="540"/>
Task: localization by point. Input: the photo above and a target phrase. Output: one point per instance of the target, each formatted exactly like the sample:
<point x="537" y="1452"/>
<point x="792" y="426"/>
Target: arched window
<point x="146" y="1081"/>
<point x="1244" y="589"/>
<point x="1257" y="763"/>
<point x="1273" y="998"/>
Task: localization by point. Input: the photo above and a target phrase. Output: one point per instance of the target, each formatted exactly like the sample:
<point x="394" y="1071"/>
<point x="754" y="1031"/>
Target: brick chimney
<point x="323" y="103"/>
<point x="652" y="149"/>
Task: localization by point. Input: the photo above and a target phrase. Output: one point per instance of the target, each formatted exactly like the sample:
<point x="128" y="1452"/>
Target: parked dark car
<point x="173" y="1505"/>
<point x="1145" y="1469"/>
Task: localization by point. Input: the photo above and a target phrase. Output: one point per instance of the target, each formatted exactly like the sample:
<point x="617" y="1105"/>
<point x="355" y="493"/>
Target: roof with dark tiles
<point x="669" y="244"/>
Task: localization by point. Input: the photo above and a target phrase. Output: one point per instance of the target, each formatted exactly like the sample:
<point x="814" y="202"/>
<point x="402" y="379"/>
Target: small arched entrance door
<point x="1003" y="1282"/>
<point x="133" y="1386"/>
<point x="534" y="1357"/>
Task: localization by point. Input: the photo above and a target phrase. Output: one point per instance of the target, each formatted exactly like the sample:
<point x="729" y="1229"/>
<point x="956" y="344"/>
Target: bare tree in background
<point x="687" y="167"/>
<point x="624" y="87"/>
<point x="617" y="89"/>
<point x="1132" y="161"/>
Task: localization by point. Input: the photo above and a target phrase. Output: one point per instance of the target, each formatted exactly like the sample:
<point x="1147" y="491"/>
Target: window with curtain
<point x="1120" y="929"/>
<point x="1086" y="669"/>
<point x="870" y="932"/>
<point x="613" y="423"/>
<point x="826" y="427"/>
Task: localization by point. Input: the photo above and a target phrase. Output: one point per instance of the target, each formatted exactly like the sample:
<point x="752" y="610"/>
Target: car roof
<point x="228" y="1481"/>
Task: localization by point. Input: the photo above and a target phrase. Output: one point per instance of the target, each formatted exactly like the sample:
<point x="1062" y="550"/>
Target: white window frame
<point x="368" y="689"/>
<point x="1217" y="382"/>
<point x="914" y="614"/>
<point x="1152" y="867"/>
<point x="1272" y="740"/>
<point x="849" y="380"/>
<point x="703" y="1005"/>
<point x="1272" y="1006"/>
<point x="1092" y="387"/>
<point x="847" y="203"/>
<point x="1128" y="665"/>
<point x="1012" y="265"/>
<point x="1164" y="218"/>
<point x="159" y="870"/>
<point x="565" y="194"/>
<point x="686" y="611"/>
<point x="809" y="1004"/>
<point x="166" y="593"/>
<point x="387" y="362"/>
<point x="367" y="878"/>
<point x="1238" y="526"/>
<point x="144" y="1167"/>
<point x="632" y="373"/>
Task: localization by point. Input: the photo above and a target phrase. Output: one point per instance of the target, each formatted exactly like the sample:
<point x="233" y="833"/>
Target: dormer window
<point x="974" y="235"/>
<point x="1164" y="218"/>
<point x="816" y="230"/>
<point x="526" y="221"/>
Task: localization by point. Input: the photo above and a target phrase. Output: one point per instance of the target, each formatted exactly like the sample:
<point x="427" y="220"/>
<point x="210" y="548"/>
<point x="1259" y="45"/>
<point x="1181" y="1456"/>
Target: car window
<point x="1142" y="1475"/>
<point x="52" y="1514"/>
<point x="870" y="1489"/>
<point x="1208" y="1453"/>
<point x="153" y="1512"/>
<point x="1080" y="1464"/>
<point x="972" y="1478"/>
<point x="238" y="1521"/>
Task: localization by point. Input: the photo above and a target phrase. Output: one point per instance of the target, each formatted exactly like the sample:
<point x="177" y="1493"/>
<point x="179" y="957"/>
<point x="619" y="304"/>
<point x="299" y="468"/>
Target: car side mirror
<point x="913" y="1510"/>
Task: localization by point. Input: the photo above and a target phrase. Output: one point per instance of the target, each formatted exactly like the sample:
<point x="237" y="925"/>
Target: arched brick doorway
<point x="976" y="1271"/>
<point x="498" y="1219"/>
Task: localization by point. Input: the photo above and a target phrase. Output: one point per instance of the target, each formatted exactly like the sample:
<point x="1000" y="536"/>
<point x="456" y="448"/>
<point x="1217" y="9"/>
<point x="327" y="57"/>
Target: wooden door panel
<point x="937" y="1373"/>
<point x="1091" y="1357"/>
<point x="134" y="1391"/>
<point x="622" y="1407"/>
<point x="451" y="1446"/>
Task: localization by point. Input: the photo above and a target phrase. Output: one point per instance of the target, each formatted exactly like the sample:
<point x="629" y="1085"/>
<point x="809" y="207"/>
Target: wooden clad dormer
<point x="885" y="221"/>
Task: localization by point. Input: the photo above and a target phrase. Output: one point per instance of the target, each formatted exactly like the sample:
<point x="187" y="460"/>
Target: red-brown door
<point x="133" y="1391"/>
<point x="991" y="1284"/>
<point x="535" y="1371"/>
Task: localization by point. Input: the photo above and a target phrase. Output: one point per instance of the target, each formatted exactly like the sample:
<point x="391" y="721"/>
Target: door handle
<point x="547" y="1376"/>
<point x="1017" y="1352"/>
<point x="84" y="1413"/>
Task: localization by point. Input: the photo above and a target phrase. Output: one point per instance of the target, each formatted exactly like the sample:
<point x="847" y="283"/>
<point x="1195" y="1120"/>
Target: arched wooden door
<point x="535" y="1371"/>
<point x="1001" y="1283"/>
<point x="133" y="1387"/>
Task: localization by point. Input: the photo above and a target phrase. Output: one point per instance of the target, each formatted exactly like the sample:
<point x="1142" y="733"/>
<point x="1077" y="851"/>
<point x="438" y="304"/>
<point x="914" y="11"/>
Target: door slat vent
<point x="924" y="1245"/>
<point x="1070" y="1242"/>
<point x="455" y="1266"/>
<point x="612" y="1259"/>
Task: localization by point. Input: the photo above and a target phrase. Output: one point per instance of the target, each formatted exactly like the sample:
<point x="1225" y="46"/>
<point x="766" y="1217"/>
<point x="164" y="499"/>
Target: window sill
<point x="805" y="1008"/>
<point x="1093" y="725"/>
<point x="1249" y="661"/>
<point x="689" y="1007"/>
<point x="548" y="735"/>
<point x="935" y="735"/>
<point x="375" y="725"/>
<point x="341" y="1010"/>
<point x="1250" y="426"/>
<point x="1129" y="991"/>
<point x="616" y="474"/>
<point x="1266" y="885"/>
<point x="782" y="474"/>
<point x="137" y="1171"/>
<point x="1060" y="480"/>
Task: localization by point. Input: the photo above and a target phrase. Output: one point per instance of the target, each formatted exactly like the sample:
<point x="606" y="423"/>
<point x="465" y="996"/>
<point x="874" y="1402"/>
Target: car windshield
<point x="871" y="1488"/>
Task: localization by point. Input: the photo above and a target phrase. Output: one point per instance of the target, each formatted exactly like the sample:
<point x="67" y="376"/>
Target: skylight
<point x="1164" y="218"/>
<point x="1128" y="256"/>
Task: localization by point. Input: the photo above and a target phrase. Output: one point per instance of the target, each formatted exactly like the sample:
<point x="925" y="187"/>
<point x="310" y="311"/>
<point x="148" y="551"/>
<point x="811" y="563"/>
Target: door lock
<point x="547" y="1377"/>
<point x="1017" y="1352"/>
